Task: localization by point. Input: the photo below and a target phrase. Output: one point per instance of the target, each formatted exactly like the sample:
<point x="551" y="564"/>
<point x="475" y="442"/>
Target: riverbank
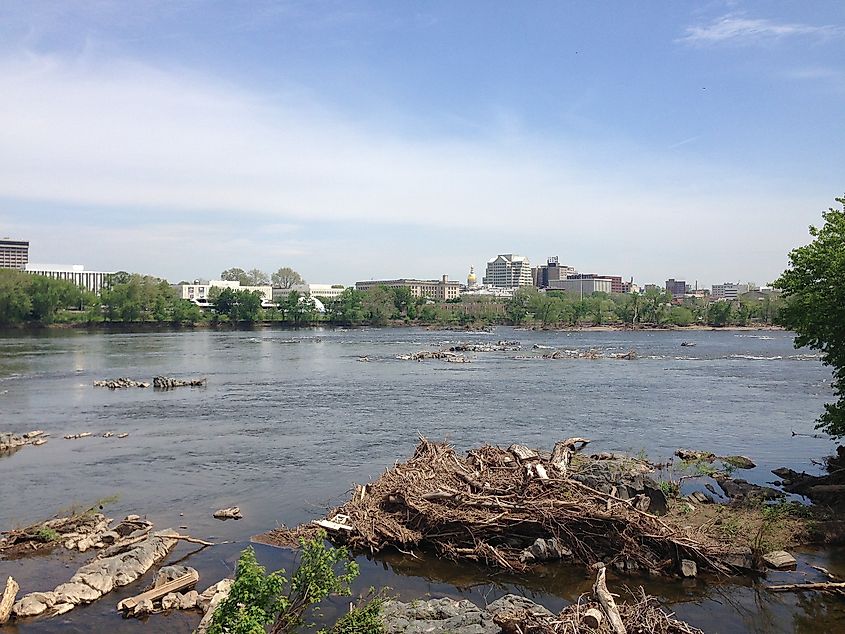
<point x="156" y="326"/>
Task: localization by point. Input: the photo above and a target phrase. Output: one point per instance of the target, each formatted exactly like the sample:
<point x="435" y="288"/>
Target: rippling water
<point x="290" y="419"/>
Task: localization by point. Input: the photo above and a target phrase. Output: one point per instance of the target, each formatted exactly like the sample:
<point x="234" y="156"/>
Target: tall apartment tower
<point x="508" y="271"/>
<point x="14" y="254"/>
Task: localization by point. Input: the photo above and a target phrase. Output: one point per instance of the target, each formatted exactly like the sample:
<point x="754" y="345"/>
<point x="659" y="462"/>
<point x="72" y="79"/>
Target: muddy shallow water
<point x="290" y="419"/>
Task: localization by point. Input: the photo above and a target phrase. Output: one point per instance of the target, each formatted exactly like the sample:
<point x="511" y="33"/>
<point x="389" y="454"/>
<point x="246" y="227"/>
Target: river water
<point x="290" y="420"/>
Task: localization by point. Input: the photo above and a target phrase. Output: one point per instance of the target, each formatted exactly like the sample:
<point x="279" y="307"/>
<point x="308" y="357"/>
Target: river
<point x="290" y="419"/>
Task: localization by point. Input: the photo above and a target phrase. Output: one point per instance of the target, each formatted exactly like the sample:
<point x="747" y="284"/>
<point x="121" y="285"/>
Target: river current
<point x="289" y="420"/>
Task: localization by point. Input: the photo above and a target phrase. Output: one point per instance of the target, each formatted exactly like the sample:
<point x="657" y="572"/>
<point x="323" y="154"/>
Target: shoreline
<point x="152" y="326"/>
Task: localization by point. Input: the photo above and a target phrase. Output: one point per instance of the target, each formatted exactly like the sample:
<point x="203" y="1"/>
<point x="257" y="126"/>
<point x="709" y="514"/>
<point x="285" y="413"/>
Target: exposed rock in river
<point x="123" y="382"/>
<point x="167" y="383"/>
<point x="99" y="577"/>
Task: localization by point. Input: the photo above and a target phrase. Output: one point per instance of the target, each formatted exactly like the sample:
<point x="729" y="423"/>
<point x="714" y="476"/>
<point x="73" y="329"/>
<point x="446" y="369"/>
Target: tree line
<point x="26" y="298"/>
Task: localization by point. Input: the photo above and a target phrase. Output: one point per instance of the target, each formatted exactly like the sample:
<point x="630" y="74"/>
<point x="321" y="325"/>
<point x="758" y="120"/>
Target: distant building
<point x="582" y="284"/>
<point x="472" y="279"/>
<point x="14" y="254"/>
<point x="550" y="271"/>
<point x="200" y="293"/>
<point x="630" y="287"/>
<point x="327" y="291"/>
<point x="678" y="288"/>
<point x="441" y="289"/>
<point x="508" y="271"/>
<point x="93" y="281"/>
<point x="730" y="291"/>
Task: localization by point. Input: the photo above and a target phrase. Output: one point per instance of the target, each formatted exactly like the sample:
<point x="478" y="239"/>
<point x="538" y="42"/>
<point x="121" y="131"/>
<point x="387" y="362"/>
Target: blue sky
<point x="384" y="139"/>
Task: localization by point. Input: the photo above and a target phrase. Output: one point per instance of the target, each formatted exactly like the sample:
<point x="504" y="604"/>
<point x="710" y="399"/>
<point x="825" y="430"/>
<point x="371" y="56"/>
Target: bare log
<point x="8" y="600"/>
<point x="592" y="618"/>
<point x="823" y="586"/>
<point x="607" y="603"/>
<point x="522" y="452"/>
<point x="563" y="450"/>
<point x="180" y="583"/>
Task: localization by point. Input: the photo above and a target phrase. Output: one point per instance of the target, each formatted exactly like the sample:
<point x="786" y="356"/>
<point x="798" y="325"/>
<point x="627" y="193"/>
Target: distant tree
<point x="121" y="277"/>
<point x="517" y="307"/>
<point x="346" y="308"/>
<point x="298" y="309"/>
<point x="719" y="313"/>
<point x="377" y="304"/>
<point x="286" y="277"/>
<point x="814" y="291"/>
<point x="236" y="275"/>
<point x="15" y="303"/>
<point x="257" y="277"/>
<point x="680" y="316"/>
<point x="404" y="301"/>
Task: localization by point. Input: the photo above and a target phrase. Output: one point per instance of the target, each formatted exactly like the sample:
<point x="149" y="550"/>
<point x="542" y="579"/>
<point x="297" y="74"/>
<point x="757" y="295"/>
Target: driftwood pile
<point x="511" y="509"/>
<point x="597" y="614"/>
<point x="81" y="531"/>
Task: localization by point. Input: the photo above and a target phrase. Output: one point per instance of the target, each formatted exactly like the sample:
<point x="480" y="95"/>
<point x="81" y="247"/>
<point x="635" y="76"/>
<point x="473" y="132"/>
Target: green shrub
<point x="258" y="599"/>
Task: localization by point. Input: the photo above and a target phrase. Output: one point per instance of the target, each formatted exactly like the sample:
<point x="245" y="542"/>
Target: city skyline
<point x="380" y="140"/>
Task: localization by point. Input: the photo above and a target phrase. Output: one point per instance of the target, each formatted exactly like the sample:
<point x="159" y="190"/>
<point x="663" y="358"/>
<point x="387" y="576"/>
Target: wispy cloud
<point x="737" y="29"/>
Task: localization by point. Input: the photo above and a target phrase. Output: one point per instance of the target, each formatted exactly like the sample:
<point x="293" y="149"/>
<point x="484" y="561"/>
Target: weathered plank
<point x="180" y="583"/>
<point x="8" y="599"/>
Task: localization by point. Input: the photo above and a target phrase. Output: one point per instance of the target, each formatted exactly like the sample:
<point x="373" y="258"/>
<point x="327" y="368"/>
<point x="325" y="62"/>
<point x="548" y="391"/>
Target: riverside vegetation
<point x="139" y="299"/>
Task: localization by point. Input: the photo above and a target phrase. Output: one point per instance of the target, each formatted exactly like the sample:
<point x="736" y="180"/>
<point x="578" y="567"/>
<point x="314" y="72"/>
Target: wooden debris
<point x="8" y="599"/>
<point x="821" y="586"/>
<point x="592" y="618"/>
<point x="180" y="583"/>
<point x="522" y="452"/>
<point x="607" y="603"/>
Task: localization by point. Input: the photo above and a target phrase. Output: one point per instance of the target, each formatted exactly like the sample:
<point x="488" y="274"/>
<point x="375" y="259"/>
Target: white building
<point x="327" y="291"/>
<point x="508" y="271"/>
<point x="199" y="293"/>
<point x="93" y="281"/>
<point x="730" y="291"/>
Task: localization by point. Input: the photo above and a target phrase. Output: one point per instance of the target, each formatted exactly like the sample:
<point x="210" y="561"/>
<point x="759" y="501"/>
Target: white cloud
<point x="737" y="29"/>
<point x="128" y="139"/>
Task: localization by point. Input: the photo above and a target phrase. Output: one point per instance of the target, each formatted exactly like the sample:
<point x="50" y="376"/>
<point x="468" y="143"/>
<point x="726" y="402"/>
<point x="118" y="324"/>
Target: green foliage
<point x="25" y="297"/>
<point x="517" y="307"/>
<point x="298" y="309"/>
<point x="719" y="313"/>
<point x="258" y="599"/>
<point x="670" y="489"/>
<point x="815" y="305"/>
<point x="377" y="305"/>
<point x="346" y="308"/>
<point x="364" y="618"/>
<point x="238" y="305"/>
<point x="46" y="535"/>
<point x="680" y="316"/>
<point x="236" y="275"/>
